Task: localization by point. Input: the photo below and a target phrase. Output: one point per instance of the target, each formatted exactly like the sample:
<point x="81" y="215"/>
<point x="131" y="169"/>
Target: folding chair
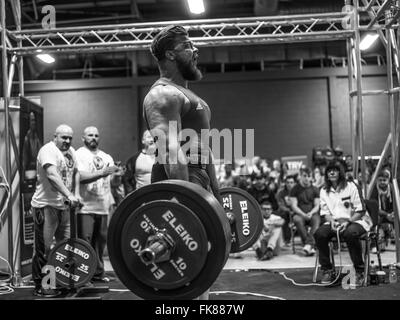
<point x="372" y="208"/>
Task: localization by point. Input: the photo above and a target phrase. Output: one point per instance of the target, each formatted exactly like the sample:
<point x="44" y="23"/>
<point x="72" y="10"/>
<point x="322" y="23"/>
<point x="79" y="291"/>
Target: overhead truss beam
<point x="216" y="32"/>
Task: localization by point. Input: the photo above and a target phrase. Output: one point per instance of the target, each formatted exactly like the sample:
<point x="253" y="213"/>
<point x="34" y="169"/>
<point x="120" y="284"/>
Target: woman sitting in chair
<point x="344" y="211"/>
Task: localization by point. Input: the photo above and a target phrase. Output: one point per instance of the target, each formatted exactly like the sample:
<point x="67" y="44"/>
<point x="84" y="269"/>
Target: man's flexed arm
<point x="163" y="107"/>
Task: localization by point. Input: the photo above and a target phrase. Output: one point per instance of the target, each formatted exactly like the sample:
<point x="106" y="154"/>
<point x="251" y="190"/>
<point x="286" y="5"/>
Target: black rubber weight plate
<point x="74" y="261"/>
<point x="248" y="217"/>
<point x="212" y="217"/>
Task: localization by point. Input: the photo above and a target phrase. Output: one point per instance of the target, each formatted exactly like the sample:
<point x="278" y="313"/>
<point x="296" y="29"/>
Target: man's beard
<point x="189" y="71"/>
<point x="92" y="145"/>
<point x="383" y="187"/>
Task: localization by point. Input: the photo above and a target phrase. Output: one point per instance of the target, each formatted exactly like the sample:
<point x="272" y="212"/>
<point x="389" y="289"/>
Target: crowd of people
<point x="87" y="180"/>
<point x="292" y="205"/>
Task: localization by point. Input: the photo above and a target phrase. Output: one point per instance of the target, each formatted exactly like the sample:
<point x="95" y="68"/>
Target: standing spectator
<point x="343" y="210"/>
<point x="117" y="187"/>
<point x="227" y="178"/>
<point x="56" y="176"/>
<point x="243" y="177"/>
<point x="139" y="166"/>
<point x="318" y="178"/>
<point x="96" y="169"/>
<point x="268" y="244"/>
<point x="348" y="166"/>
<point x="285" y="210"/>
<point x="259" y="166"/>
<point x="276" y="172"/>
<point x="304" y="199"/>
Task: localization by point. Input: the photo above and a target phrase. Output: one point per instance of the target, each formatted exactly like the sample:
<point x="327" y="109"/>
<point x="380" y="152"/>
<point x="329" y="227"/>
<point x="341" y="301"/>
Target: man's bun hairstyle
<point x="165" y="40"/>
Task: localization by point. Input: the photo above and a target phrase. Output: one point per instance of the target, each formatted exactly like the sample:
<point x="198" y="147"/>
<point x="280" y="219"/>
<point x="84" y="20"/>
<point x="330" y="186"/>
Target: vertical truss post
<point x="359" y="106"/>
<point x="392" y="115"/>
<point x="352" y="111"/>
<point x="11" y="75"/>
<point x="4" y="65"/>
<point x="16" y="8"/>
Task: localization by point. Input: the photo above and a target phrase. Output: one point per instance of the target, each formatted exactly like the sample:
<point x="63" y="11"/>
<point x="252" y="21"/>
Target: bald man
<point x="96" y="170"/>
<point x="56" y="177"/>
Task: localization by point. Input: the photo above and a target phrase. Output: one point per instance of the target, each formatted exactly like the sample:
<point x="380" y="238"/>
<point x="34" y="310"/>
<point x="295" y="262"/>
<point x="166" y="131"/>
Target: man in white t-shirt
<point x="56" y="177"/>
<point x="96" y="170"/>
<point x="139" y="166"/>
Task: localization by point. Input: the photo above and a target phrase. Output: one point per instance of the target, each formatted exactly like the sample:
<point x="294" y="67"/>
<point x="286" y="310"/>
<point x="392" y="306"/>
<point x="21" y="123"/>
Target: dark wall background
<point x="291" y="111"/>
<point x="108" y="104"/>
<point x="376" y="114"/>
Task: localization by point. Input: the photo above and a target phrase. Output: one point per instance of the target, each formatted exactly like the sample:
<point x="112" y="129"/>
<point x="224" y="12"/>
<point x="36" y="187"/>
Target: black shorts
<point x="197" y="175"/>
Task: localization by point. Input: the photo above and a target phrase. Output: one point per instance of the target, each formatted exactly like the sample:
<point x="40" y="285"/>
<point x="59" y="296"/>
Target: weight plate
<point x="248" y="217"/>
<point x="183" y="226"/>
<point x="208" y="210"/>
<point x="74" y="261"/>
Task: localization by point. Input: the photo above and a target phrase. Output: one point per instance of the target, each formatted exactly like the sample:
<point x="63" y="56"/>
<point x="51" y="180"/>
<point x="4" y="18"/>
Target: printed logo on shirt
<point x="98" y="163"/>
<point x="69" y="161"/>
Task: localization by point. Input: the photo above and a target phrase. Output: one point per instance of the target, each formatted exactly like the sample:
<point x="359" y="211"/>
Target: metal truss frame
<point x="216" y="32"/>
<point x="383" y="19"/>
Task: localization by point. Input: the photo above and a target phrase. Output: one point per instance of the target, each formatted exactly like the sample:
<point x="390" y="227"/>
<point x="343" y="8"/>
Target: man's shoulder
<point x="296" y="188"/>
<point x="49" y="149"/>
<point x="282" y="192"/>
<point x="315" y="189"/>
<point x="48" y="145"/>
<point x="81" y="151"/>
<point x="134" y="156"/>
<point x="162" y="95"/>
<point x="105" y="156"/>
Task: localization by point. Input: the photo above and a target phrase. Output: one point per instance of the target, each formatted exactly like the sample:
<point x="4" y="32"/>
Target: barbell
<point x="171" y="239"/>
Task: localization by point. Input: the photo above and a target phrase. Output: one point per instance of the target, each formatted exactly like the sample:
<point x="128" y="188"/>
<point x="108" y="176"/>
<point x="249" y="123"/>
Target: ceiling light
<point x="196" y="6"/>
<point x="368" y="40"/>
<point x="46" y="58"/>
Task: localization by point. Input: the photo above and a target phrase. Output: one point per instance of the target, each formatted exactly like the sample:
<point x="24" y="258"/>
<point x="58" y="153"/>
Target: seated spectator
<point x="285" y="210"/>
<point x="268" y="244"/>
<point x="304" y="199"/>
<point x="383" y="194"/>
<point x="343" y="209"/>
<point x="259" y="190"/>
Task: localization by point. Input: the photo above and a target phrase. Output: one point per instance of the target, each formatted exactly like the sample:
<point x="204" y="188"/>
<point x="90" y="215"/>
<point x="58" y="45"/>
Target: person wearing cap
<point x="343" y="209"/>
